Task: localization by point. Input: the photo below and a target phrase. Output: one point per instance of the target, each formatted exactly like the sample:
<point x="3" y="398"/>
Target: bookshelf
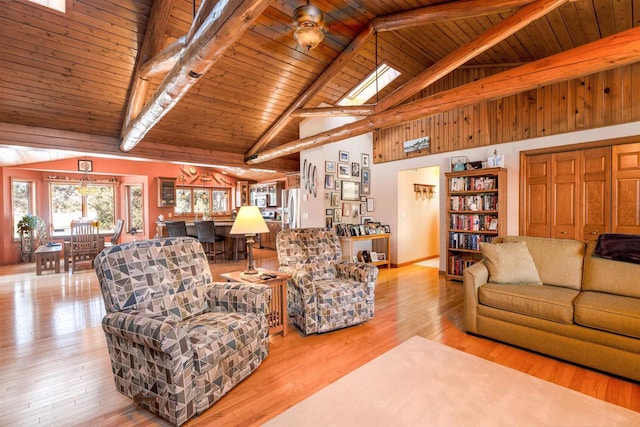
<point x="476" y="212"/>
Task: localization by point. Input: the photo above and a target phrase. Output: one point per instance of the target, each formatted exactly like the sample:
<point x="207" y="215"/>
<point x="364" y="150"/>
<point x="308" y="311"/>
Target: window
<point x="135" y="214"/>
<point x="59" y="5"/>
<point x="377" y="80"/>
<point x="66" y="204"/>
<point x="22" y="201"/>
<point x="202" y="200"/>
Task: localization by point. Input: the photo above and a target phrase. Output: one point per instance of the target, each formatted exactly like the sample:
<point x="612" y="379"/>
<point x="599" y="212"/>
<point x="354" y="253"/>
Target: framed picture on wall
<point x="85" y="165"/>
<point x="330" y="167"/>
<point x="365" y="180"/>
<point x="343" y="156"/>
<point x="344" y="171"/>
<point x="328" y="181"/>
<point x="350" y="191"/>
<point x="365" y="160"/>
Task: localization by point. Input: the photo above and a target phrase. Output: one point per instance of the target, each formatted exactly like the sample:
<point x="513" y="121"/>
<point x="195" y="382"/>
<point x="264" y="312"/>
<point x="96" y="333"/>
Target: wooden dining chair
<point x="84" y="245"/>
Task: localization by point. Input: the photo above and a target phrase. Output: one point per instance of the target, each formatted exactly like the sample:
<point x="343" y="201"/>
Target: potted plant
<point x="30" y="227"/>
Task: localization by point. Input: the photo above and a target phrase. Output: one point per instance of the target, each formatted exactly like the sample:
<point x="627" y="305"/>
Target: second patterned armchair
<point x="324" y="292"/>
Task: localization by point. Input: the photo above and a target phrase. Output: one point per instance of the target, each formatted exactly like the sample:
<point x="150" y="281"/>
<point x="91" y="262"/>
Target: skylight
<point x="59" y="5"/>
<point x="367" y="88"/>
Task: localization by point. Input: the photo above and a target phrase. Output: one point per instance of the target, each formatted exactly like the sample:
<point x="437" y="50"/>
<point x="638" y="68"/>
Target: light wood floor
<point x="54" y="366"/>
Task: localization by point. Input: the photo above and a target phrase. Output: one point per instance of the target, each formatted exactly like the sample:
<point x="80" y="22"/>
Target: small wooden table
<point x="278" y="317"/>
<point x="48" y="258"/>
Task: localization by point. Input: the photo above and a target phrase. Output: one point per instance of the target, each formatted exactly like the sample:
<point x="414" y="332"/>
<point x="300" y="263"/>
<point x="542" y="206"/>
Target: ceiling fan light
<point x="308" y="37"/>
<point x="309" y="25"/>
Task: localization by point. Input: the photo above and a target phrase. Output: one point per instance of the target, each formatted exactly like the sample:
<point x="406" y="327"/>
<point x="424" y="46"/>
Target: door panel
<point x="565" y="196"/>
<point x="626" y="189"/>
<point x="595" y="165"/>
<point x="537" y="203"/>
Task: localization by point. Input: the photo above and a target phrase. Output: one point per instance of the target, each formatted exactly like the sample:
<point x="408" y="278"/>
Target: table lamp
<point x="249" y="222"/>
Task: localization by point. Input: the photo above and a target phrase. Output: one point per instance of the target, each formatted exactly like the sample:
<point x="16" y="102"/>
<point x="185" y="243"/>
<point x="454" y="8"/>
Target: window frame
<point x="191" y="190"/>
<point x="32" y="208"/>
<point x="129" y="208"/>
<point x="83" y="201"/>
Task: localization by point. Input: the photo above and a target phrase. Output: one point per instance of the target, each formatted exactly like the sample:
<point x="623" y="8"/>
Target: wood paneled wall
<point x="602" y="99"/>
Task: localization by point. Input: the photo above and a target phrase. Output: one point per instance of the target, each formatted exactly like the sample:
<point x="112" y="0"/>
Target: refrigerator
<point x="291" y="208"/>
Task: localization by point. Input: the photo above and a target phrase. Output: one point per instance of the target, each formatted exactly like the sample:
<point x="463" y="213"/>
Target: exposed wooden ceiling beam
<point x="224" y="25"/>
<point x="607" y="53"/>
<point x="151" y="44"/>
<point x="486" y="40"/>
<point x="53" y="139"/>
<point x="445" y="12"/>
<point x="416" y="17"/>
<point x="346" y="110"/>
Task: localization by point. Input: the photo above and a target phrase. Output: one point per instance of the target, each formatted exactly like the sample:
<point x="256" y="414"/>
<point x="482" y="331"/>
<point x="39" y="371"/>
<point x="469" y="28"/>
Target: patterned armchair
<point x="177" y="341"/>
<point x="324" y="293"/>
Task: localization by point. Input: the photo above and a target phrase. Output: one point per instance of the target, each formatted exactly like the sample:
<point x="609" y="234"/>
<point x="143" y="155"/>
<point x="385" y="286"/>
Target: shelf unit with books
<point x="476" y="212"/>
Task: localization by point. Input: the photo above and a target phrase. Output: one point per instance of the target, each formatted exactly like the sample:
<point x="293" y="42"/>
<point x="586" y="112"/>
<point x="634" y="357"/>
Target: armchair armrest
<point x="474" y="276"/>
<point x="239" y="297"/>
<point x="147" y="329"/>
<point x="152" y="361"/>
<point x="300" y="279"/>
<point x="360" y="271"/>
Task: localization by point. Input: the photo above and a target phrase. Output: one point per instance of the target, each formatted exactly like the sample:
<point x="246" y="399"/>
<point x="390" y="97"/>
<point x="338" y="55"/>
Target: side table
<point x="278" y="317"/>
<point x="48" y="258"/>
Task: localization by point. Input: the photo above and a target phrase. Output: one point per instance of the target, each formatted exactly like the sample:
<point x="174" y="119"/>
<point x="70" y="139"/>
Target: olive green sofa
<point x="586" y="311"/>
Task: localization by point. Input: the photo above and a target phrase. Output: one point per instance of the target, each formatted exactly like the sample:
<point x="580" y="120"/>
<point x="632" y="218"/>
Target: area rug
<point x="423" y="383"/>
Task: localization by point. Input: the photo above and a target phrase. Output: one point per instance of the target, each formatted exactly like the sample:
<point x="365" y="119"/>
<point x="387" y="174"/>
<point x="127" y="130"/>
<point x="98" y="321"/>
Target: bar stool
<point x="206" y="231"/>
<point x="176" y="228"/>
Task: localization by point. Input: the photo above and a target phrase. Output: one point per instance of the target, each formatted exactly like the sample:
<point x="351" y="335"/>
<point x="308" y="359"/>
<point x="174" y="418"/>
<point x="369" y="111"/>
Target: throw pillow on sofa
<point x="510" y="263"/>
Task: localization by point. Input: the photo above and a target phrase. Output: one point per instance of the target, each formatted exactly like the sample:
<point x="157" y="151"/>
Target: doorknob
<point x="593" y="233"/>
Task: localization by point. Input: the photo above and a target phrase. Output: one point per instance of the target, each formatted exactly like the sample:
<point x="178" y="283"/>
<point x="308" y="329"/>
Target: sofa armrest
<point x="239" y="297"/>
<point x="474" y="276"/>
<point x="359" y="271"/>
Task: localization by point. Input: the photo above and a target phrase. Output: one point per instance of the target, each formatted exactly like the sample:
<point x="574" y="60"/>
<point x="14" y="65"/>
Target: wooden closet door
<point x="536" y="219"/>
<point x="626" y="189"/>
<point x="595" y="212"/>
<point x="565" y="195"/>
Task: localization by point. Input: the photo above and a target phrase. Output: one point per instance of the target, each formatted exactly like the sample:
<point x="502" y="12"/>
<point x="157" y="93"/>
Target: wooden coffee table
<point x="278" y="317"/>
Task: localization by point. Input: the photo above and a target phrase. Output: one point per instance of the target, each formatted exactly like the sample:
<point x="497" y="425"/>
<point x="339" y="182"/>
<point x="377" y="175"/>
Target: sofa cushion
<point x="509" y="263"/>
<point x="559" y="261"/>
<point x="611" y="313"/>
<point x="613" y="277"/>
<point x="217" y="335"/>
<point x="552" y="303"/>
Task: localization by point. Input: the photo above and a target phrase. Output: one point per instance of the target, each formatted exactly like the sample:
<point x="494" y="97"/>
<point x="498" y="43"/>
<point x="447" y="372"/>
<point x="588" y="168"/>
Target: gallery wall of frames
<point x="347" y="195"/>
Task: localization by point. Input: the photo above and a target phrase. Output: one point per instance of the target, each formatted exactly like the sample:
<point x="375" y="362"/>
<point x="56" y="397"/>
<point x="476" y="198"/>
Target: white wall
<point x="391" y="196"/>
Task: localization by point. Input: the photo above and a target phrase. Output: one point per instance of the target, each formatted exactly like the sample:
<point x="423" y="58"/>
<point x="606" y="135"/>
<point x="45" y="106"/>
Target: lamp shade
<point x="249" y="221"/>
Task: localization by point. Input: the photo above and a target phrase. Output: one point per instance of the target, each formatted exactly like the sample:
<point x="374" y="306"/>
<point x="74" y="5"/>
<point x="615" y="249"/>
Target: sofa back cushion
<point x="559" y="261"/>
<point x="162" y="276"/>
<point x="613" y="277"/>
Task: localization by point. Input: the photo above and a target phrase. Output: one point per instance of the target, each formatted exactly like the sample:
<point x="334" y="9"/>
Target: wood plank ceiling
<point x="66" y="79"/>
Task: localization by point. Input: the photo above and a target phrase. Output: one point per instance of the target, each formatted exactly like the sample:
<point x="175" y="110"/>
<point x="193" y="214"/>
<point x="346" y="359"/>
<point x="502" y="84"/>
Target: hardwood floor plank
<point x="55" y="367"/>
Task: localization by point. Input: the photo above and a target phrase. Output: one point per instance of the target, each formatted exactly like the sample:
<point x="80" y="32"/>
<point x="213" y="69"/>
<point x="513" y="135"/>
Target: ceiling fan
<point x="309" y="26"/>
